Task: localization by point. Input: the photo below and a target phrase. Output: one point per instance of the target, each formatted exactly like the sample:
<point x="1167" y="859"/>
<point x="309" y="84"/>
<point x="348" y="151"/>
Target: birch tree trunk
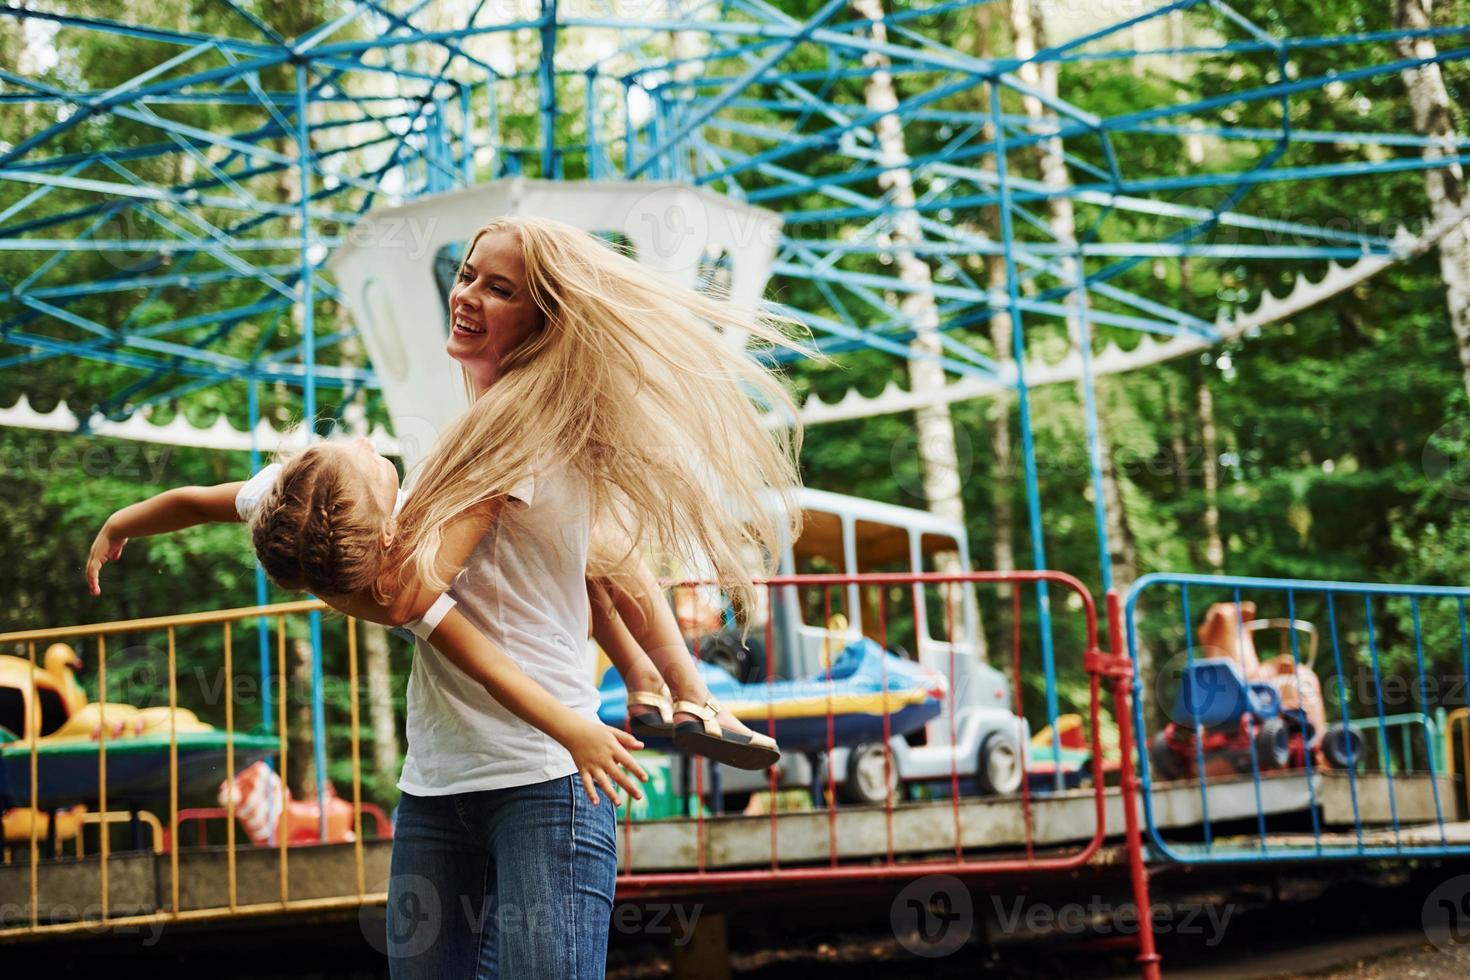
<point x="1179" y="455"/>
<point x="301" y="757"/>
<point x="1003" y="468"/>
<point x="381" y="720"/>
<point x="1214" y="545"/>
<point x="936" y="438"/>
<point x="382" y="724"/>
<point x="1429" y="101"/>
<point x="1028" y="30"/>
<point x="1003" y="464"/>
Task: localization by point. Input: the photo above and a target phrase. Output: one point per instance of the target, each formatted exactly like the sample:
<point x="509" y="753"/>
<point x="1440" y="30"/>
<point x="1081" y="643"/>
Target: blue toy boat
<point x="854" y="689"/>
<point x="137" y="768"/>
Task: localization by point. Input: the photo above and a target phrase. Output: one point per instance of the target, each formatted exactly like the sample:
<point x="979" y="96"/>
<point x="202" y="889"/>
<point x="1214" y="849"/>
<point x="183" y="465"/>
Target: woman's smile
<point x="466" y="323"/>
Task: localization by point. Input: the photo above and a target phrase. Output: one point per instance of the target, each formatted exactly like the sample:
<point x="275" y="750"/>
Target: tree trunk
<point x="381" y="720"/>
<point x="1003" y="464"/>
<point x="1028" y="30"/>
<point x="301" y="758"/>
<point x="936" y="437"/>
<point x="1180" y="458"/>
<point x="1003" y="469"/>
<point x="1210" y="466"/>
<point x="1445" y="186"/>
<point x="382" y="723"/>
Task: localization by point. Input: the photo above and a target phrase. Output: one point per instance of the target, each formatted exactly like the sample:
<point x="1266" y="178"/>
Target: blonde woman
<point x="604" y="397"/>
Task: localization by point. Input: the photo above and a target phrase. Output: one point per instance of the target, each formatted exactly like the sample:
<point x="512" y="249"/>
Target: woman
<point x="604" y="397"/>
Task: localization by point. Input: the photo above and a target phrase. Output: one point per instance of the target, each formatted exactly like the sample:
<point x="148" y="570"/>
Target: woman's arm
<point x="598" y="750"/>
<point x="172" y="510"/>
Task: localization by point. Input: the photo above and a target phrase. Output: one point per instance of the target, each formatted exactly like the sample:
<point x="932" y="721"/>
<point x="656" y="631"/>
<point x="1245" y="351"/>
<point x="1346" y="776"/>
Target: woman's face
<point x="490" y="308"/>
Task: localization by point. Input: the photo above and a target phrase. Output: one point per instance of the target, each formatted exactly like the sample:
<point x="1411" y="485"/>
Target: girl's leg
<point x="441" y="876"/>
<point x="555" y="871"/>
<point x="628" y="658"/>
<point x="660" y="657"/>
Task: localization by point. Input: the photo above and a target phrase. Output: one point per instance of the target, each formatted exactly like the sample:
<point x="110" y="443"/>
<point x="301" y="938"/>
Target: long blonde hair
<point x="631" y="380"/>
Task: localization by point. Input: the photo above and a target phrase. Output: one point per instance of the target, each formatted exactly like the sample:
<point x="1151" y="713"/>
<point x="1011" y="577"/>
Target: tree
<point x="936" y="437"/>
<point x="1445" y="186"/>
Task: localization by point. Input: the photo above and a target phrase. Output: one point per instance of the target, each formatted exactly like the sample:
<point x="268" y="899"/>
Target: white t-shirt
<point x="524" y="588"/>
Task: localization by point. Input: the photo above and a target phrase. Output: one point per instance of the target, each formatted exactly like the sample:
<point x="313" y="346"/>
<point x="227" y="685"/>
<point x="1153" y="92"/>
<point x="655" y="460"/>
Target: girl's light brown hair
<point x="319" y="530"/>
<point x="635" y="380"/>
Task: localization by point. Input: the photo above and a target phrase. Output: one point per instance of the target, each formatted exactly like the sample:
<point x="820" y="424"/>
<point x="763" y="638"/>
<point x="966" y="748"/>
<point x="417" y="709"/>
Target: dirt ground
<point x="1334" y="923"/>
<point x="1391" y="956"/>
<point x="1420" y="960"/>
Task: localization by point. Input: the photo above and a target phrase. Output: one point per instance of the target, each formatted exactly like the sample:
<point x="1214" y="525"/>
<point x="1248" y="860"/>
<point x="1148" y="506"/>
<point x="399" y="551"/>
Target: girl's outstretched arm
<point x="172" y="510"/>
<point x="600" y="751"/>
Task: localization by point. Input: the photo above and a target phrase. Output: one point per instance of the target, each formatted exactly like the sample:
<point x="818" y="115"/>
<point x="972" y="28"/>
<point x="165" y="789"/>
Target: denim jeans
<point x="514" y="883"/>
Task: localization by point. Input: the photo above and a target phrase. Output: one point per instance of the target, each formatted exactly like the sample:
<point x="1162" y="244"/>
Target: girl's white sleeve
<point x="255" y="489"/>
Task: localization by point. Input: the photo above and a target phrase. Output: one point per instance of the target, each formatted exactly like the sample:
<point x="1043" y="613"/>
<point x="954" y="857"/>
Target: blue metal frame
<point x="1264" y="849"/>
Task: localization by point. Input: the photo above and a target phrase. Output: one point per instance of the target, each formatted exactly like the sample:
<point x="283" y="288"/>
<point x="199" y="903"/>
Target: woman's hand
<point x="107" y="546"/>
<point x="601" y="753"/>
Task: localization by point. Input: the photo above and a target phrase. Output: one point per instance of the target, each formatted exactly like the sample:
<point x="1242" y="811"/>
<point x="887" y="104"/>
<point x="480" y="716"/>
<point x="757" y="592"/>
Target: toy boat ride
<point x="137" y="767"/>
<point x="47" y="704"/>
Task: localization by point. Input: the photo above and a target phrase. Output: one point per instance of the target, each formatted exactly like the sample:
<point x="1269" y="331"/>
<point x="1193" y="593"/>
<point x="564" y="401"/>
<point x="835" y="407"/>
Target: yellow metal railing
<point x="155" y="828"/>
<point x="1460" y="717"/>
<point x="170" y="625"/>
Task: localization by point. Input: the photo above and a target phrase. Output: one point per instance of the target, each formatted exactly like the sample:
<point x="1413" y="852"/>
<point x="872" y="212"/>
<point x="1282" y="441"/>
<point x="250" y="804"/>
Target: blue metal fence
<point x="1252" y="758"/>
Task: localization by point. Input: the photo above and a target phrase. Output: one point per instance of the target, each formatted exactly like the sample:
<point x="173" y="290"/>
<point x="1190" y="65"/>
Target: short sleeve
<point x="255" y="489"/>
<point x="525" y="491"/>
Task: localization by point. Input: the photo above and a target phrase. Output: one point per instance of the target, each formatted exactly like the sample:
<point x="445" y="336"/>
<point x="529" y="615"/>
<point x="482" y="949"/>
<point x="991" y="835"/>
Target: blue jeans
<point x="514" y="883"/>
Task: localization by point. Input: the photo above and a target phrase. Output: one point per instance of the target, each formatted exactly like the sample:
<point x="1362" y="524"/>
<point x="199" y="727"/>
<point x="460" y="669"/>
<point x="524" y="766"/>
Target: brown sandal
<point x="651" y="713"/>
<point x="705" y="737"/>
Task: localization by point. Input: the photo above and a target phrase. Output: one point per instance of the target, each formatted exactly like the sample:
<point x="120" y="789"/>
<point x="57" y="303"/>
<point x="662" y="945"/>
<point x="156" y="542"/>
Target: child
<point x="323" y="521"/>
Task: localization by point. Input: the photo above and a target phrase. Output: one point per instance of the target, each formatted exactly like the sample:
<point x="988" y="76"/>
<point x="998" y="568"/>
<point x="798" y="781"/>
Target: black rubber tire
<point x="1342" y="746"/>
<point x="746" y="662"/>
<point x="1273" y="744"/>
<point x="863" y="783"/>
<point x="1164" y="763"/>
<point x="735" y="803"/>
<point x="998" y="765"/>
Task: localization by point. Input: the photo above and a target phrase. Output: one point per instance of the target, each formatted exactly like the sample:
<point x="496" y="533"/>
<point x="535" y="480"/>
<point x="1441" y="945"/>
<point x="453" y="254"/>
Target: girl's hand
<point x="601" y="753"/>
<point x="105" y="548"/>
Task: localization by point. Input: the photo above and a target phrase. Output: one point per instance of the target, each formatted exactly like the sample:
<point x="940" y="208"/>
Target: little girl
<point x="323" y="521"/>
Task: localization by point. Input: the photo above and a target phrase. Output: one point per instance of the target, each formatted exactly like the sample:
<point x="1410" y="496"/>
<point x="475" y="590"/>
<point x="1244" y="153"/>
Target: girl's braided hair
<point x="318" y="530"/>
